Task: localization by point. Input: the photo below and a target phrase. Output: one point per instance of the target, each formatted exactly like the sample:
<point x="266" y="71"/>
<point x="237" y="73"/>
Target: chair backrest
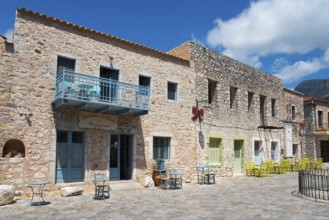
<point x="99" y="177"/>
<point x="199" y="169"/>
<point x="250" y="165"/>
<point x="163" y="173"/>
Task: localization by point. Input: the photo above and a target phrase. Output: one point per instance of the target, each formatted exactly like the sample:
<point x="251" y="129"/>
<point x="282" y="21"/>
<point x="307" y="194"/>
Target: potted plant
<point x="159" y="163"/>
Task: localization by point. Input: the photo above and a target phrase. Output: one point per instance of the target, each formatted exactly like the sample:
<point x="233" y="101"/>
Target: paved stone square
<point x="240" y="197"/>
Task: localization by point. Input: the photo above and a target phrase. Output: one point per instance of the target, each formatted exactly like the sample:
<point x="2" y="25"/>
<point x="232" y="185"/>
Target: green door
<point x="237" y="163"/>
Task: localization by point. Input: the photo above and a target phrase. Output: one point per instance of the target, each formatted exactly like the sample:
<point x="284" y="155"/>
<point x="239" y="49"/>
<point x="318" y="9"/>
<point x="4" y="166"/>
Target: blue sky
<point x="287" y="38"/>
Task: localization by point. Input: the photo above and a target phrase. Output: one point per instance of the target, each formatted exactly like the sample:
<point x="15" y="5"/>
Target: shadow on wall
<point x="201" y="139"/>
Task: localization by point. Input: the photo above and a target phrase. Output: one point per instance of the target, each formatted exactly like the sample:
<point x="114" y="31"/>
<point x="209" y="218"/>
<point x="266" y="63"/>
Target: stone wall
<point x="242" y="120"/>
<point x="238" y="122"/>
<point x="296" y="99"/>
<point x="38" y="42"/>
<point x="314" y="134"/>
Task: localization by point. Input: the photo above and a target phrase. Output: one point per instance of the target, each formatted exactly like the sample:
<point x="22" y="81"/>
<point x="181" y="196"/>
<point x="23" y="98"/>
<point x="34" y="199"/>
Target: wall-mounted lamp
<point x="205" y="103"/>
<point x="111" y="61"/>
<point x="26" y="114"/>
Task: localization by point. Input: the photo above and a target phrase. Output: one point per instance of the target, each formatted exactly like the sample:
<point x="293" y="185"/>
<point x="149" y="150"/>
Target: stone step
<point x="124" y="185"/>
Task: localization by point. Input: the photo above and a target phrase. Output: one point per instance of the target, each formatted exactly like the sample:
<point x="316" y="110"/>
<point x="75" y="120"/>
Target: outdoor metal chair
<point x="176" y="178"/>
<point x="165" y="180"/>
<point x="102" y="186"/>
<point x="201" y="175"/>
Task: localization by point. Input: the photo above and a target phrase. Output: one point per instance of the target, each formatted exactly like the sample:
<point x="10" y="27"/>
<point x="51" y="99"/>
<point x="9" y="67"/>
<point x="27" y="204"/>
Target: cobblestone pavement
<point x="240" y="197"/>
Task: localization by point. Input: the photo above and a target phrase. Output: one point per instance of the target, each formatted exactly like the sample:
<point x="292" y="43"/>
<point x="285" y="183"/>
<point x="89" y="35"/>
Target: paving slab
<point x="241" y="197"/>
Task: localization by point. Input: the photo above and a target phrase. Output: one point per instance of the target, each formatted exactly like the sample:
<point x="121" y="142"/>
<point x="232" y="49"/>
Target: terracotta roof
<point x="308" y="99"/>
<point x="44" y="16"/>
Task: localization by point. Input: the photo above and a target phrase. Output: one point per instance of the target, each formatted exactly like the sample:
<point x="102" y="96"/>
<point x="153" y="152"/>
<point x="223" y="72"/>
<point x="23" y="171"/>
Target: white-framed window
<point x="161" y="148"/>
<point x="172" y="91"/>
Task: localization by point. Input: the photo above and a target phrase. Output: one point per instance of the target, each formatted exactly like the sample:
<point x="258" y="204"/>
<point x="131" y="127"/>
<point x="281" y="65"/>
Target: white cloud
<point x="270" y="27"/>
<point x="196" y="40"/>
<point x="300" y="69"/>
<point x="9" y="35"/>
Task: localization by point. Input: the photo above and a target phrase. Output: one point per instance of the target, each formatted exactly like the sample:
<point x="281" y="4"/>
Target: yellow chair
<point x="306" y="162"/>
<point x="300" y="165"/>
<point x="313" y="164"/>
<point x="295" y="166"/>
<point x="250" y="168"/>
<point x="319" y="163"/>
<point x="261" y="172"/>
<point x="269" y="166"/>
<point x="283" y="167"/>
<point x="279" y="168"/>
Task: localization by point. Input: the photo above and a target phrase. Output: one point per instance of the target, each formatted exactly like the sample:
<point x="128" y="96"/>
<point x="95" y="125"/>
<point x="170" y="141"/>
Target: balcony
<point x="97" y="94"/>
<point x="322" y="129"/>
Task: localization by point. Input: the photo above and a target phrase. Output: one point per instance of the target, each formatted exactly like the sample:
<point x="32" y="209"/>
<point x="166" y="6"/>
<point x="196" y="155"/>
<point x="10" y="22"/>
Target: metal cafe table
<point x="37" y="189"/>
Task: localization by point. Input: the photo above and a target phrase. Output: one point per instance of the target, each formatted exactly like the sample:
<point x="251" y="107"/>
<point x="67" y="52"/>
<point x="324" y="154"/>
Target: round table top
<point x="38" y="183"/>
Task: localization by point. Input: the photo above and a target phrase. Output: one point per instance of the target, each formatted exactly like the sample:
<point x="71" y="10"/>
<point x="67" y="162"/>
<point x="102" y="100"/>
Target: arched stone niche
<point x="13" y="148"/>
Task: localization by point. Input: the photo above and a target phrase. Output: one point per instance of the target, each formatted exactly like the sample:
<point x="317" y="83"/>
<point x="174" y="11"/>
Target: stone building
<point x="316" y="128"/>
<point x="75" y="101"/>
<point x="245" y="114"/>
<point x="293" y="122"/>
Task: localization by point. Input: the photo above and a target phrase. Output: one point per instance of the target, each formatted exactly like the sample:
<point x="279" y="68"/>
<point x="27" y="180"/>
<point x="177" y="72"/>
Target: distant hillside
<point x="317" y="88"/>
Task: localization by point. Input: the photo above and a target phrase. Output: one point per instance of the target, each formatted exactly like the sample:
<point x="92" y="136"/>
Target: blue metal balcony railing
<point x="99" y="93"/>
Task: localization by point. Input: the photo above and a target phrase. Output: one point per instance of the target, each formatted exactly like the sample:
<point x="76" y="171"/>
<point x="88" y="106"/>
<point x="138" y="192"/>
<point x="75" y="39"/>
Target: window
<point x="262" y="110"/>
<point x="274" y="151"/>
<point x="172" y="91"/>
<point x="258" y="152"/>
<point x="214" y="151"/>
<point x="65" y="63"/>
<point x="320" y="118"/>
<point x="294" y="149"/>
<point x="161" y="148"/>
<point x="144" y="81"/>
<point x="293" y="112"/>
<point x="233" y="91"/>
<point x="273" y="102"/>
<point x="250" y="99"/>
<point x="211" y="90"/>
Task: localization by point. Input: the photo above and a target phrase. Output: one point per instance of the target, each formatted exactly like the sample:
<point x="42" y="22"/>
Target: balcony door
<point x="109" y="90"/>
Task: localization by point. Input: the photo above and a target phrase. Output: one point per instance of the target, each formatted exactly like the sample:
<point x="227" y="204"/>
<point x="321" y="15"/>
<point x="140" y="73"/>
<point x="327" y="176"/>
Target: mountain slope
<point x="317" y="88"/>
